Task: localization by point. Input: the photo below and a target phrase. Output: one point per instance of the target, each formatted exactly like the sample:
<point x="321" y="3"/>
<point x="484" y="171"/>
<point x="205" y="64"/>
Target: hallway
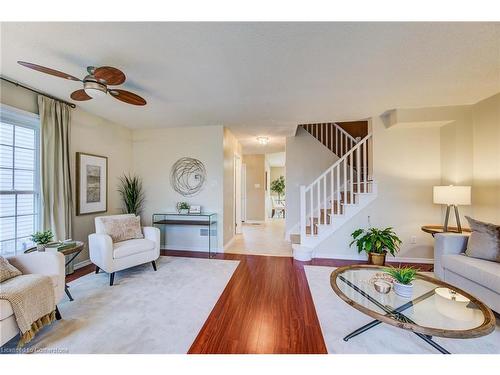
<point x="266" y="238"/>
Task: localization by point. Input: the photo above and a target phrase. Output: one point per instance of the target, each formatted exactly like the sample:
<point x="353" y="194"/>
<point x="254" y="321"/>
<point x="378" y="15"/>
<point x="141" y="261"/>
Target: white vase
<point x="40" y="247"/>
<point x="403" y="290"/>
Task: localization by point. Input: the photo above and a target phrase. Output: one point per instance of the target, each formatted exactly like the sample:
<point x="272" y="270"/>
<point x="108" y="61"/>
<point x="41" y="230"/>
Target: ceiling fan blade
<point x="80" y="95"/>
<point x="50" y="71"/>
<point x="127" y="97"/>
<point x="112" y="76"/>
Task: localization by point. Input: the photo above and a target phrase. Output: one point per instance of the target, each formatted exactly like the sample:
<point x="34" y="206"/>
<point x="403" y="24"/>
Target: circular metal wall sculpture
<point x="188" y="176"/>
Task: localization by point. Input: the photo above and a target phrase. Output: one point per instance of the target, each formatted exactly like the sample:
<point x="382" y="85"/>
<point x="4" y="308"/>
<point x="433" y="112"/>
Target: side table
<point x="433" y="229"/>
<point x="74" y="251"/>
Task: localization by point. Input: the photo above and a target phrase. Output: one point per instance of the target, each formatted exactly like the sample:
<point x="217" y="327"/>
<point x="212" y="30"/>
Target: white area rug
<point x="144" y="312"/>
<point x="338" y="319"/>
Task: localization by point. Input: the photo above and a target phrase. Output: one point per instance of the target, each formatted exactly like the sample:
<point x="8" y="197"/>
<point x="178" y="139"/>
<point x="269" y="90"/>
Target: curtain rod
<point x="36" y="91"/>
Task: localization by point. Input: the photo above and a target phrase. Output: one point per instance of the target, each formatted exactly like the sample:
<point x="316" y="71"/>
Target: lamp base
<point x="457" y="218"/>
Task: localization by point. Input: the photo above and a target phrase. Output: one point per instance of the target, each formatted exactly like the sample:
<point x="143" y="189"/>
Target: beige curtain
<point x="57" y="201"/>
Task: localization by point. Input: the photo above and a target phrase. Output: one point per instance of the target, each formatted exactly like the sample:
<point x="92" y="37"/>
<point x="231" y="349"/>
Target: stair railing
<point x="332" y="136"/>
<point x="334" y="188"/>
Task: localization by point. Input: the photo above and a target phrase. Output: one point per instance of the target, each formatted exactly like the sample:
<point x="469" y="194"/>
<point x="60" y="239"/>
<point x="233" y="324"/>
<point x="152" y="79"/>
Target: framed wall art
<point x="91" y="183"/>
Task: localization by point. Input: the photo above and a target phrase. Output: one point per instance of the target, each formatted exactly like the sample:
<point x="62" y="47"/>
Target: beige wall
<point x="90" y="134"/>
<point x="306" y="159"/>
<point x="406" y="167"/>
<point x="231" y="148"/>
<point x="154" y="153"/>
<point x="486" y="160"/>
<point x="255" y="186"/>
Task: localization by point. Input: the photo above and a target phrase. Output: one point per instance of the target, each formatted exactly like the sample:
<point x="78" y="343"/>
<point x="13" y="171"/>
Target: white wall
<point x="154" y="153"/>
<point x="306" y="159"/>
<point x="90" y="134"/>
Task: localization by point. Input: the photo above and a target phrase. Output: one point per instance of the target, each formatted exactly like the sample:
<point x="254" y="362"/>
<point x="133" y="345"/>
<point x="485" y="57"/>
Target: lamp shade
<point x="458" y="195"/>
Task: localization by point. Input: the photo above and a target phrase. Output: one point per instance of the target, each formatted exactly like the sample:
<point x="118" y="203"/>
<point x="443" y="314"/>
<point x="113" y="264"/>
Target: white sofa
<point x="42" y="263"/>
<point x="479" y="277"/>
<point x="112" y="257"/>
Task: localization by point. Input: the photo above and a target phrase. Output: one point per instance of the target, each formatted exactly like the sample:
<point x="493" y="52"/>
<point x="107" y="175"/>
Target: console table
<point x="206" y="219"/>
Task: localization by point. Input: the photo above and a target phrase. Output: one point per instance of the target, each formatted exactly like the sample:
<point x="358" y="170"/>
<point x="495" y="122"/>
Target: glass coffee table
<point x="435" y="309"/>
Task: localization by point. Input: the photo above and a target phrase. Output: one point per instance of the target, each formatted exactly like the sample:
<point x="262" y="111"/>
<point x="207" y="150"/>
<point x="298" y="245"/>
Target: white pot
<point x="40" y="247"/>
<point x="402" y="290"/>
<point x="184" y="211"/>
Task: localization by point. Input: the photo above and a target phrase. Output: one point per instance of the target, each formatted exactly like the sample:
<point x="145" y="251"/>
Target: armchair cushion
<point x="123" y="228"/>
<point x="126" y="248"/>
<point x="7" y="270"/>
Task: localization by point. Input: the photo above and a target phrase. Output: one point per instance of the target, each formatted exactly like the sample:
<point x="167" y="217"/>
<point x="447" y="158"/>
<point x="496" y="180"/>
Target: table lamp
<point x="452" y="196"/>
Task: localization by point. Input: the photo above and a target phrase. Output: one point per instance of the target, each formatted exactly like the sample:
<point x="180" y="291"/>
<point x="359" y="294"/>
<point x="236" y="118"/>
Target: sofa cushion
<point x="5" y="309"/>
<point x="484" y="241"/>
<point x="126" y="248"/>
<point x="7" y="270"/>
<point x="482" y="272"/>
<point x="123" y="228"/>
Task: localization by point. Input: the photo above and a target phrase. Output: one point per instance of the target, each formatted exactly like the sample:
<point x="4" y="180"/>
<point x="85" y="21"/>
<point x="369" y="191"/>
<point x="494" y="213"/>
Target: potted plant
<point x="183" y="208"/>
<point x="132" y="194"/>
<point x="377" y="243"/>
<point x="42" y="239"/>
<point x="278" y="186"/>
<point x="403" y="277"/>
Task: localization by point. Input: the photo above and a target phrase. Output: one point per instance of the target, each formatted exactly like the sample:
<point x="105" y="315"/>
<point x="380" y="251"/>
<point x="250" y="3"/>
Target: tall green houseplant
<point x="132" y="194"/>
<point x="278" y="186"/>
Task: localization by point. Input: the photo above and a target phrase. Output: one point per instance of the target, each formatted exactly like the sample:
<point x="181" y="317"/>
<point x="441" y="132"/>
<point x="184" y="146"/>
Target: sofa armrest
<point x="153" y="234"/>
<point x="101" y="251"/>
<point x="445" y="244"/>
<point x="42" y="263"/>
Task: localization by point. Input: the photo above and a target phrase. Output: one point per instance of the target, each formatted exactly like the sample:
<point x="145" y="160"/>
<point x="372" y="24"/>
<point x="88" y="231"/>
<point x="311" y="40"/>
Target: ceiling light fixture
<point x="263" y="140"/>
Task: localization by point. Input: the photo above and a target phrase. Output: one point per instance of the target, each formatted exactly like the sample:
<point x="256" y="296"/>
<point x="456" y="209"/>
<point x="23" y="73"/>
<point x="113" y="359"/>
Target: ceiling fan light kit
<point x="95" y="84"/>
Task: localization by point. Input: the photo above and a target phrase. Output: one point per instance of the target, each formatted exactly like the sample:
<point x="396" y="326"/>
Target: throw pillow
<point x="7" y="270"/>
<point x="484" y="241"/>
<point x="123" y="228"/>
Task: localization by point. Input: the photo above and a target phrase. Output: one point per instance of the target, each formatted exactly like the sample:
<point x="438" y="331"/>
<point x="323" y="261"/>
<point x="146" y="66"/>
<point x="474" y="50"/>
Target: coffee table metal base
<point x="374" y="323"/>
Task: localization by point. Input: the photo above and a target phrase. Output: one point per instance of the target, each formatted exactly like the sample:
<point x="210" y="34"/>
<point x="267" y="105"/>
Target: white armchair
<point x="112" y="257"/>
<point x="41" y="263"/>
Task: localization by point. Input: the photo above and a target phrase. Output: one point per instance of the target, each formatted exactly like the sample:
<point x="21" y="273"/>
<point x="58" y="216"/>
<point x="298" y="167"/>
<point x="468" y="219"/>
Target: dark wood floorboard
<point x="265" y="308"/>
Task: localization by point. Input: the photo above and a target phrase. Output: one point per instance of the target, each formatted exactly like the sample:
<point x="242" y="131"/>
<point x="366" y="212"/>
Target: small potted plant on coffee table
<point x="42" y="239"/>
<point x="403" y="277"/>
<point x="377" y="243"/>
<point x="183" y="208"/>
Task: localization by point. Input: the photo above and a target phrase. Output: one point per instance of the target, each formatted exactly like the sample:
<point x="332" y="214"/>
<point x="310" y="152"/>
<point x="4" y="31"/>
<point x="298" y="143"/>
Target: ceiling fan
<point x="95" y="84"/>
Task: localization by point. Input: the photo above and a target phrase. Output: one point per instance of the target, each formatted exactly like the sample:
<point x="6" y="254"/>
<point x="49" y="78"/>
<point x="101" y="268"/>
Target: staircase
<point x="339" y="193"/>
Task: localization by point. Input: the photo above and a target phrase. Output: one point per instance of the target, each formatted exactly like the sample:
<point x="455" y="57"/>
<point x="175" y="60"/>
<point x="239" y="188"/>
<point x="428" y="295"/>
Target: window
<point x="19" y="179"/>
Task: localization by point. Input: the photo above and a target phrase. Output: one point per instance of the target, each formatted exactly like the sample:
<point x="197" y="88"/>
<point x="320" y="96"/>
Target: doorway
<point x="237" y="194"/>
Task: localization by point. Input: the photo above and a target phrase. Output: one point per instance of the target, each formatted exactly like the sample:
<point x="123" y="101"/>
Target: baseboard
<point x="411" y="260"/>
<point x="389" y="258"/>
<point x="82" y="264"/>
<point x="191" y="248"/>
<point x="255" y="222"/>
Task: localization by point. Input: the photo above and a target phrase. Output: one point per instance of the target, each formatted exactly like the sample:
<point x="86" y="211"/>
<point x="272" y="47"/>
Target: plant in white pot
<point x="183" y="207"/>
<point x="42" y="239"/>
<point x="403" y="277"/>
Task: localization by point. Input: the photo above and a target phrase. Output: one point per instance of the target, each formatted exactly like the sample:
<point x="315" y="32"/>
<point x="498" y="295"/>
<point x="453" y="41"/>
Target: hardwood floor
<point x="265" y="308"/>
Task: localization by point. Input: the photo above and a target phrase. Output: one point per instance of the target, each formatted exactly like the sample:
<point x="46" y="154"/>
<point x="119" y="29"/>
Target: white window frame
<point x="20" y="118"/>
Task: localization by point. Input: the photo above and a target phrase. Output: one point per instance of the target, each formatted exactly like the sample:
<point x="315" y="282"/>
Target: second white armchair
<point x="112" y="256"/>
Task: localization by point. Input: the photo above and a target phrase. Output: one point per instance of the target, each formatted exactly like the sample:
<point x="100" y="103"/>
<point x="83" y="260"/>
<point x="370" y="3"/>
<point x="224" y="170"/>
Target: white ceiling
<point x="262" y="78"/>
